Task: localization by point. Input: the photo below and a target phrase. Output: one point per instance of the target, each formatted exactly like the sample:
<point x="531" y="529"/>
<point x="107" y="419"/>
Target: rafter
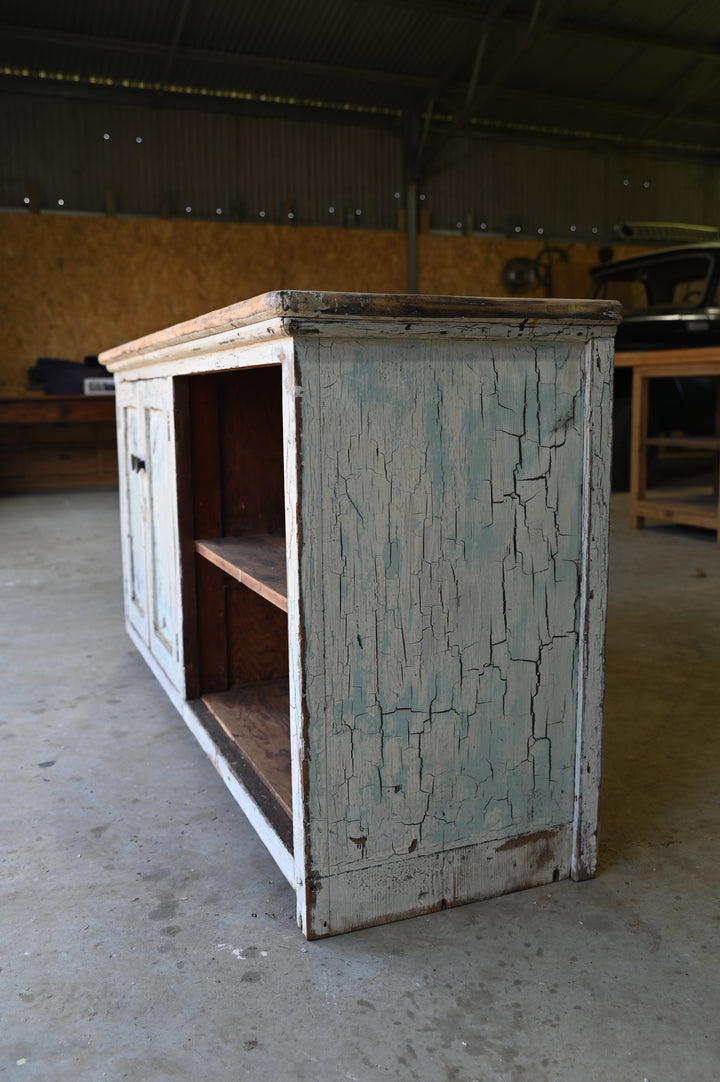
<point x="212" y="56"/>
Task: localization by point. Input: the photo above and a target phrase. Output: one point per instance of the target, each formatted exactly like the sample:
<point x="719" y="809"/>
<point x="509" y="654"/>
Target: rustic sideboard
<point x="365" y="552"/>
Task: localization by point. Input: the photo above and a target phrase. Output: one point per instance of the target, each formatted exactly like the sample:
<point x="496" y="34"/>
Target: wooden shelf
<point x="693" y="443"/>
<point x="257" y="718"/>
<point x="688" y="510"/>
<point x="258" y="562"/>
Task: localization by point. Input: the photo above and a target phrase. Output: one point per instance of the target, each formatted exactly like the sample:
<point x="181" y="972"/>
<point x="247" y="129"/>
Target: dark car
<point x="670" y="301"/>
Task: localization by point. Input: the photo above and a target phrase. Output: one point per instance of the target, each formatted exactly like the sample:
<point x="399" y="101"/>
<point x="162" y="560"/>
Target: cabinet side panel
<point x="450" y="486"/>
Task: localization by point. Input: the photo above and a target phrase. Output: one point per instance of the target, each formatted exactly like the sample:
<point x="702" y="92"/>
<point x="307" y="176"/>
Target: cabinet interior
<point x="231" y="478"/>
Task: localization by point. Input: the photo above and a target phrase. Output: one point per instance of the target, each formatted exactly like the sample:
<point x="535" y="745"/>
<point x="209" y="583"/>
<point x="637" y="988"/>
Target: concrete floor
<point x="146" y="934"/>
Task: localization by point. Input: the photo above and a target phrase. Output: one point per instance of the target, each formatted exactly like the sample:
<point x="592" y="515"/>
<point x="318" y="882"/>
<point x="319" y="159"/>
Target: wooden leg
<point x="638" y="447"/>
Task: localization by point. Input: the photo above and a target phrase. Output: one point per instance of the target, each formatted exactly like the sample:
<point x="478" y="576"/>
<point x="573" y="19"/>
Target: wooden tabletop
<point x="38" y="408"/>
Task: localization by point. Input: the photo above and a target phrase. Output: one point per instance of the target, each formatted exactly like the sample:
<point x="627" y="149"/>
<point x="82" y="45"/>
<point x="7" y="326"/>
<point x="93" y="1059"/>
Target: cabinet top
<point x="297" y="312"/>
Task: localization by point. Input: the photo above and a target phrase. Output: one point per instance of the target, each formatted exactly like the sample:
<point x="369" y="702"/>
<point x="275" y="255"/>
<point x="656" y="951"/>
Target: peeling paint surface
<point x="442" y="674"/>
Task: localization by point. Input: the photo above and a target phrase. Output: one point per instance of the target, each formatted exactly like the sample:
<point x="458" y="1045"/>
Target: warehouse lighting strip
<point x="378" y="110"/>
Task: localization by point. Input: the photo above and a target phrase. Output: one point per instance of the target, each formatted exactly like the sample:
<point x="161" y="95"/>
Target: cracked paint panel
<point x="447" y="509"/>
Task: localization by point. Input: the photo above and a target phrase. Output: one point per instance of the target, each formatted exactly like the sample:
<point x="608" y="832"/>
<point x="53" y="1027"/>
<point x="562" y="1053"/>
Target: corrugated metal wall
<point x="160" y="161"/>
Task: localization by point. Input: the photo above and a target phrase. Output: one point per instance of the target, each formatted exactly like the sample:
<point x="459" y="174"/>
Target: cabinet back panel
<point x="257" y="634"/>
<point x="251" y="449"/>
<point x="237" y="452"/>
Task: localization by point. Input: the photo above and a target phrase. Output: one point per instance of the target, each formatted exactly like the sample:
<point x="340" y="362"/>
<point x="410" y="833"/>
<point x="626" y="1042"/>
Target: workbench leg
<point x="638" y="447"/>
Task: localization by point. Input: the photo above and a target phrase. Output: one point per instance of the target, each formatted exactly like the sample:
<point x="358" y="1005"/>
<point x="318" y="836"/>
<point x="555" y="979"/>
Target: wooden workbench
<point x="687" y="509"/>
<point x="56" y="441"/>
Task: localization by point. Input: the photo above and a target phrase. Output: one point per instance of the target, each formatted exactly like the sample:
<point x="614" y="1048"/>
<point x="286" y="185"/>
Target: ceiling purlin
<point x="213" y="56"/>
<point x="598" y="32"/>
<point x="172" y="51"/>
<point x="536" y="29"/>
<point x="447" y="84"/>
<point x="597" y="105"/>
<point x="699" y="88"/>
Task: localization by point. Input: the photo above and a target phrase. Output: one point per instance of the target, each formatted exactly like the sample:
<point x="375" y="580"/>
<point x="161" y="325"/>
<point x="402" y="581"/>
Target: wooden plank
<point x="26" y="409"/>
<point x="257" y="717"/>
<point x="698" y="511"/>
<point x="638" y="436"/>
<point x="694" y="443"/>
<point x="257" y="562"/>
<point x="663" y="357"/>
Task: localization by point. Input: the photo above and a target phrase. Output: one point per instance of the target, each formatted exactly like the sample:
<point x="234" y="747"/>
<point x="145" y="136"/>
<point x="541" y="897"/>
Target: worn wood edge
<point x="294" y="305"/>
<point x="244" y="739"/>
<point x="597" y="453"/>
<point x="252" y="347"/>
<point x="293" y="313"/>
<point x="292" y="455"/>
<point x="211" y="549"/>
<point x="418" y="884"/>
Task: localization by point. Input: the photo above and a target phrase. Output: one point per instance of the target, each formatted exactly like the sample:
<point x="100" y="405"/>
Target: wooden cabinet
<point x="365" y="549"/>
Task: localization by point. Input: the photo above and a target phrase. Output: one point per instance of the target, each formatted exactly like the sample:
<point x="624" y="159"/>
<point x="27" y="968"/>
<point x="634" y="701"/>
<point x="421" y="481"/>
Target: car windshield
<point x="678" y="282"/>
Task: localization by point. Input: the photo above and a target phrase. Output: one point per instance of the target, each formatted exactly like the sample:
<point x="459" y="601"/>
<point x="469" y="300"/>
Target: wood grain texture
<point x="257" y="562"/>
<point x="257" y="717"/>
<point x="257" y="636"/>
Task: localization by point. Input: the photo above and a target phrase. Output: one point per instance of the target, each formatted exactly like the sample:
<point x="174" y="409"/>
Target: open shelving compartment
<point x="230" y="459"/>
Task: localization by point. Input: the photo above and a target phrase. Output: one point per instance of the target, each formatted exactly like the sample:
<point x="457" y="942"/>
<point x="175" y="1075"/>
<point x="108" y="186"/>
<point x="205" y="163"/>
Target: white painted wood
<point x="161" y="528"/>
<point x="446" y="537"/>
<point x="598" y="365"/>
<point x="131" y="443"/>
<point x="148" y="507"/>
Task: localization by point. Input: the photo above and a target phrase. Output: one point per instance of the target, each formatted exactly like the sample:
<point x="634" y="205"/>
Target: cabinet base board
<point x="425" y="883"/>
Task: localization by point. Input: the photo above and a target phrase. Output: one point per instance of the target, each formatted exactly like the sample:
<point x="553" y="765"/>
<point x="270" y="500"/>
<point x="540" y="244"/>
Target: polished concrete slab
<point x="146" y="934"/>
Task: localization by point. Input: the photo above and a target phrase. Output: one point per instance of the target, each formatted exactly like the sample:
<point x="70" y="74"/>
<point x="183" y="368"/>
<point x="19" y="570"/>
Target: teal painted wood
<point x="442" y="516"/>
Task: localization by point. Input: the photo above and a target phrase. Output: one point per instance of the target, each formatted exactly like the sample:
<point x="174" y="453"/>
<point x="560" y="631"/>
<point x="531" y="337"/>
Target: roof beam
<point x="212" y="56"/>
<point x="597" y="105"/>
<point x="536" y="29"/>
<point x="574" y="29"/>
<point x="172" y="51"/>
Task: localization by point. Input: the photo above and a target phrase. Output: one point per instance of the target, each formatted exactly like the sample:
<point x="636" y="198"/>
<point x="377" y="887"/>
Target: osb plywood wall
<point x="72" y="286"/>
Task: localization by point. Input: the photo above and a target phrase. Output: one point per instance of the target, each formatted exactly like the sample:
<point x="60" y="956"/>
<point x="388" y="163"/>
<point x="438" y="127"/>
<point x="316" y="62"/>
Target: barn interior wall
<point x="73" y="285"/>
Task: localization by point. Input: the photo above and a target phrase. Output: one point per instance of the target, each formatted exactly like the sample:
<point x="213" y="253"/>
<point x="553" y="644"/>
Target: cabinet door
<point x="148" y="500"/>
<point x="131" y="448"/>
<point x="161" y="535"/>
